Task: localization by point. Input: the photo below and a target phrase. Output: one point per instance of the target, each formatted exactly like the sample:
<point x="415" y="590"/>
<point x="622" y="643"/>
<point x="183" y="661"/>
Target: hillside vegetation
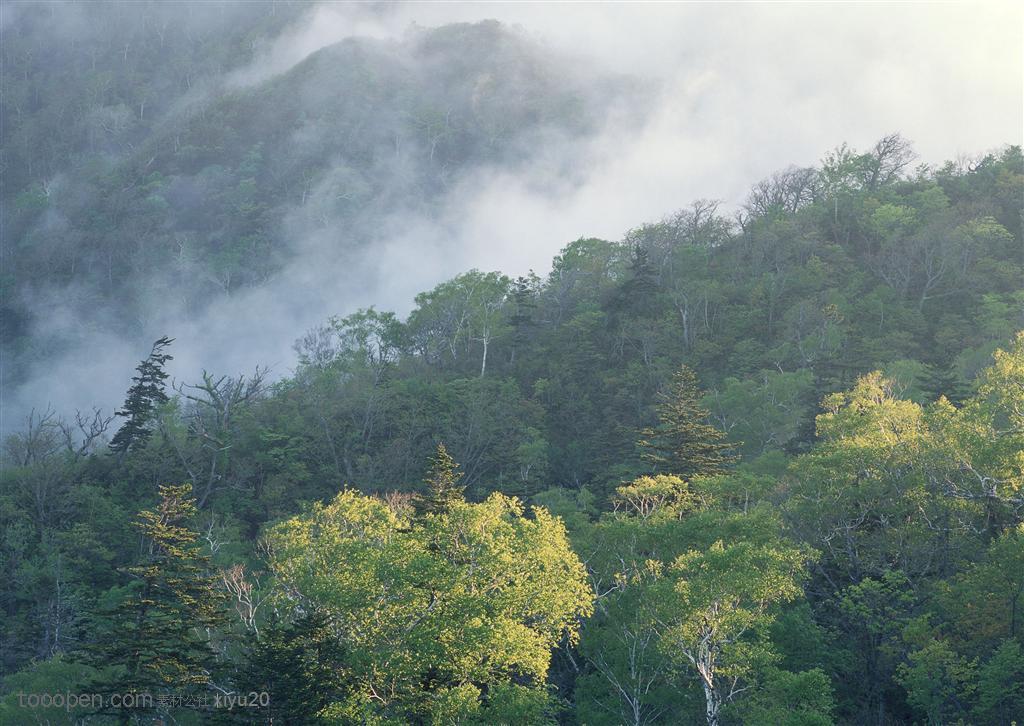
<point x="827" y="529"/>
<point x="756" y="465"/>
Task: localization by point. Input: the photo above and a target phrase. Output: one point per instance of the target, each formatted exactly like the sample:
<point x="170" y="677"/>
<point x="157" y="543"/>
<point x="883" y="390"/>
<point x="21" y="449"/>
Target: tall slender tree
<point x="684" y="443"/>
<point x="158" y="634"/>
<point x="145" y="394"/>
<point x="524" y="305"/>
<point x="634" y="296"/>
<point x="442" y="482"/>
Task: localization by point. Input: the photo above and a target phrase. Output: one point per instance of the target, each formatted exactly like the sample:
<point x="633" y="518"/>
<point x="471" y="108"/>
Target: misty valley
<point x="313" y="411"/>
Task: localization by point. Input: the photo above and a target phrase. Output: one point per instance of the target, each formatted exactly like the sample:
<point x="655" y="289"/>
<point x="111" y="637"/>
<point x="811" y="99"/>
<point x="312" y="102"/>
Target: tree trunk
<point x="713" y="703"/>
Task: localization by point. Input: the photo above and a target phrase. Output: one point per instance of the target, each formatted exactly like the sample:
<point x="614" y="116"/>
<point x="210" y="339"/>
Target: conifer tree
<point x="524" y="305"/>
<point x="443" y="488"/>
<point x="683" y="443"/>
<point x="635" y="294"/>
<point x="300" y="665"/>
<point x="158" y="634"/>
<point x="945" y="381"/>
<point x="642" y="279"/>
<point x="145" y="394"/>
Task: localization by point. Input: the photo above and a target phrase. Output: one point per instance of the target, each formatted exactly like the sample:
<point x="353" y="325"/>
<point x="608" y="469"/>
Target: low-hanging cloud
<point x="738" y="91"/>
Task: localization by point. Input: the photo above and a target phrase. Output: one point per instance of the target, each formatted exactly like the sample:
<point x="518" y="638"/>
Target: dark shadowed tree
<point x="635" y="295"/>
<point x="145" y="394"/>
<point x="300" y="665"/>
<point x="945" y="381"/>
<point x="524" y="305"/>
<point x="684" y="443"/>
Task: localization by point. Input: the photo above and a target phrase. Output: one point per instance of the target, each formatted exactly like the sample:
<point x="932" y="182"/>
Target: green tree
<point x="762" y="413"/>
<point x="985" y="600"/>
<point x="938" y="682"/>
<point x="145" y="394"/>
<point x="877" y="481"/>
<point x="631" y="679"/>
<point x="717" y="605"/>
<point x="157" y="636"/>
<point x="437" y="616"/>
<point x="873" y="615"/>
<point x="56" y="675"/>
<point x="789" y="699"/>
<point x="683" y="443"/>
<point x="467" y="309"/>
<point x="1001" y="685"/>
<point x="442" y="483"/>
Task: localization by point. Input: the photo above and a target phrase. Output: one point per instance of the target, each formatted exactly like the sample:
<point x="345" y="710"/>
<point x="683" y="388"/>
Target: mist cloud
<point x="738" y="91"/>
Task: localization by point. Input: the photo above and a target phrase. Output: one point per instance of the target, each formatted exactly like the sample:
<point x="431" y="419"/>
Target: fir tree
<point x="145" y="394"/>
<point x="683" y="443"/>
<point x="300" y="665"/>
<point x="810" y="407"/>
<point x="634" y="296"/>
<point x="442" y="482"/>
<point x="945" y="381"/>
<point x="158" y="634"/>
<point x="523" y="306"/>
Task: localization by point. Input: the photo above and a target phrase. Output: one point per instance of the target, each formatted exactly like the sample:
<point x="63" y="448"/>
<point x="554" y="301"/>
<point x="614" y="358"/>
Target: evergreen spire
<point x="159" y="633"/>
<point x="945" y="381"/>
<point x="524" y="305"/>
<point x="683" y="443"/>
<point x="635" y="294"/>
<point x="145" y="394"/>
<point x="443" y="488"/>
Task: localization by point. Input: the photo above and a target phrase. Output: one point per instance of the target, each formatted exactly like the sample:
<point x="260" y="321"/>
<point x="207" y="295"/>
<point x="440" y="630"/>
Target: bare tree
<point x="216" y="404"/>
<point x="887" y="160"/>
<point x="245" y="594"/>
<point x="82" y="437"/>
<point x="785" y="191"/>
<point x="41" y="477"/>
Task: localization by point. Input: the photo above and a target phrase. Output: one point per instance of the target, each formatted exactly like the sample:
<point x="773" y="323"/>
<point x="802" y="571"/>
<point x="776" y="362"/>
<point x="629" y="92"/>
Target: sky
<point x="740" y="90"/>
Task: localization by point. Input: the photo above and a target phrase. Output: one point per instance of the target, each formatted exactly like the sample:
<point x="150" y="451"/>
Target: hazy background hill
<point x="144" y="182"/>
<point x="233" y="173"/>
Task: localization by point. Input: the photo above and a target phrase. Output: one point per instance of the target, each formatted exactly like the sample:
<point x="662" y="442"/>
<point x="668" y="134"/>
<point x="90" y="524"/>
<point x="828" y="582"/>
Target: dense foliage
<point x="844" y="543"/>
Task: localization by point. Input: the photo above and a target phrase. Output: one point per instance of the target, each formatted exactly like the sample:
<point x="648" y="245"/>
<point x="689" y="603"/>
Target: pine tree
<point x="301" y="665"/>
<point x="145" y="394"/>
<point x="683" y="443"/>
<point x="524" y="304"/>
<point x="945" y="381"/>
<point x="158" y="634"/>
<point x="443" y="488"/>
<point x="635" y="294"/>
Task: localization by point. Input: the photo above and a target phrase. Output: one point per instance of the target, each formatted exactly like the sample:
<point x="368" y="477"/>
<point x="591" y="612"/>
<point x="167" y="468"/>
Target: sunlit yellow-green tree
<point x="447" y="616"/>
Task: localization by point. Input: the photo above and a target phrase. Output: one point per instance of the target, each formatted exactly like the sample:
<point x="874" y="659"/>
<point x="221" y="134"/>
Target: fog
<point x="735" y="92"/>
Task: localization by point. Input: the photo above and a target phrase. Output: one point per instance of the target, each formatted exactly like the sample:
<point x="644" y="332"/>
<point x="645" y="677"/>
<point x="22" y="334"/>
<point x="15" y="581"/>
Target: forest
<point x="754" y="471"/>
<point x="753" y="465"/>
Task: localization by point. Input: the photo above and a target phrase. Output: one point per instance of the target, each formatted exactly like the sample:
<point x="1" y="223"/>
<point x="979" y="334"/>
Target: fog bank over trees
<point x="231" y="173"/>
